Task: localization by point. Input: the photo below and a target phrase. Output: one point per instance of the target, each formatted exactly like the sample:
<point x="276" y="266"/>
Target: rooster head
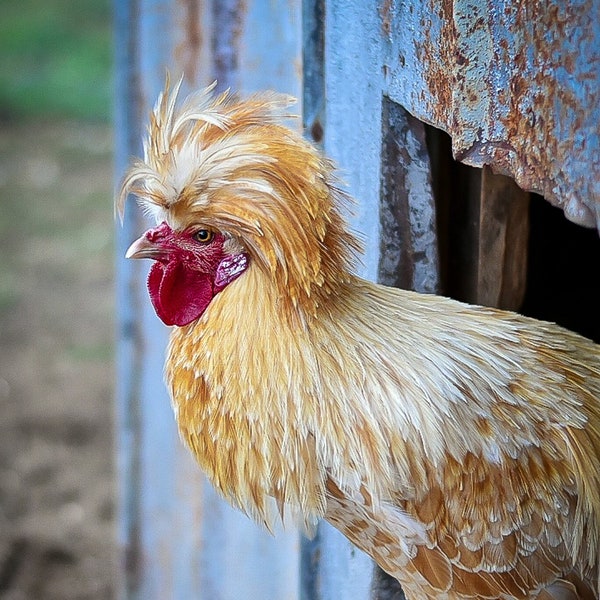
<point x="230" y="170"/>
<point x="191" y="267"/>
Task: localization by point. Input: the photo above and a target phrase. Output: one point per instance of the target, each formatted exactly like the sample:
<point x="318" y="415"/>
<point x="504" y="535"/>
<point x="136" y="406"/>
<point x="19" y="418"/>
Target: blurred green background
<point x="57" y="484"/>
<point x="55" y="59"/>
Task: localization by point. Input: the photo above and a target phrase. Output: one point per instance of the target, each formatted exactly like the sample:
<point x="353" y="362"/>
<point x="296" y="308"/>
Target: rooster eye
<point x="203" y="236"/>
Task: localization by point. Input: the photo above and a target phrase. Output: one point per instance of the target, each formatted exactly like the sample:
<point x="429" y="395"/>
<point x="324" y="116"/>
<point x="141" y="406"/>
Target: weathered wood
<point x="483" y="234"/>
<point x="457" y="192"/>
<point x="408" y="247"/>
<point x="503" y="239"/>
<point x="408" y="255"/>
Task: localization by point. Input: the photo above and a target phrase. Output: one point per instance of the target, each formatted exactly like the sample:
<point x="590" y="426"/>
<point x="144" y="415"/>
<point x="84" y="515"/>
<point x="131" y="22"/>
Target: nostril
<point x="154" y="235"/>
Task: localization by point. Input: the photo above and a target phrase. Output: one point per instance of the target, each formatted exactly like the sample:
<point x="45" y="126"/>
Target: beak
<point x="144" y="248"/>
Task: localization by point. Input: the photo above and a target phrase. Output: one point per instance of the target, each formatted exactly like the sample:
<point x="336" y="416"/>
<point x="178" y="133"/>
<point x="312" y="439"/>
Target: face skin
<point x="191" y="267"/>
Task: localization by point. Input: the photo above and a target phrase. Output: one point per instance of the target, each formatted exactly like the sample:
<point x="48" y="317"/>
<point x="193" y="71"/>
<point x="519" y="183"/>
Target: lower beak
<point x="144" y="248"/>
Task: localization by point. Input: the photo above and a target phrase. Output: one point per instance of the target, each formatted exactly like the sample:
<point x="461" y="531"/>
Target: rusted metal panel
<point x="516" y="85"/>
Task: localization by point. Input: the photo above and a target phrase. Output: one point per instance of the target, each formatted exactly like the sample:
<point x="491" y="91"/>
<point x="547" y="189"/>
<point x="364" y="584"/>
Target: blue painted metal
<point x="337" y="570"/>
<point x="353" y="88"/>
<point x="332" y="568"/>
<point x="343" y="113"/>
<point x="128" y="364"/>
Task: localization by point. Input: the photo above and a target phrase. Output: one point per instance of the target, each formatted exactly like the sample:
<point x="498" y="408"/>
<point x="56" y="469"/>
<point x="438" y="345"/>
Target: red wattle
<point x="179" y="295"/>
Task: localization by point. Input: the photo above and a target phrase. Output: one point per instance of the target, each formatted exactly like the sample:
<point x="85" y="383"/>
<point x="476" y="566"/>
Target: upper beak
<point x="144" y="248"/>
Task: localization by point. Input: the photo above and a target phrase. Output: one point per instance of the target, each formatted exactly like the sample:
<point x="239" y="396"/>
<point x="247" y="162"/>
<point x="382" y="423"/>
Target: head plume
<point x="232" y="165"/>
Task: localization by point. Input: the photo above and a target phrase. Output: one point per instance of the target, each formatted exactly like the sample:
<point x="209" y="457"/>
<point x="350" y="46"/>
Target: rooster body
<point x="459" y="446"/>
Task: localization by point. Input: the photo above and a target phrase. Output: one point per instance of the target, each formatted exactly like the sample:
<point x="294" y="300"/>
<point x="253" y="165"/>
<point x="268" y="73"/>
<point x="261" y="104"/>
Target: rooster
<point x="458" y="446"/>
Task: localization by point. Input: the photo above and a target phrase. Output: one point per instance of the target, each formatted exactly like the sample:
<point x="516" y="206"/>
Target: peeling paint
<point x="516" y="85"/>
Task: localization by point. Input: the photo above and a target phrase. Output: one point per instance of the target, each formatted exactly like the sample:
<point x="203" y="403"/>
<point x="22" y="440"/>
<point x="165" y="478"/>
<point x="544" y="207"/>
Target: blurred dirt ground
<point x="56" y="374"/>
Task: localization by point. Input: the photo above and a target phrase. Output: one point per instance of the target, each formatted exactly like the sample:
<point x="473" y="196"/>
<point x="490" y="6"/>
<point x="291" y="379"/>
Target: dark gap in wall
<point x="563" y="258"/>
<point x="563" y="270"/>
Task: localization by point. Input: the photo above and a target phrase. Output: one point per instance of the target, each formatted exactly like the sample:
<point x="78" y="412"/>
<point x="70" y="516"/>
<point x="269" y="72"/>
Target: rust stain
<point x="385" y="14"/>
<point x="188" y="51"/>
<point x="512" y="90"/>
<point x="533" y="121"/>
<point x="436" y="58"/>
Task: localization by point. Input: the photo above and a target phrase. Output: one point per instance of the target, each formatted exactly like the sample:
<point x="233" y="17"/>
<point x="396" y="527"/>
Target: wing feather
<point x="504" y="528"/>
